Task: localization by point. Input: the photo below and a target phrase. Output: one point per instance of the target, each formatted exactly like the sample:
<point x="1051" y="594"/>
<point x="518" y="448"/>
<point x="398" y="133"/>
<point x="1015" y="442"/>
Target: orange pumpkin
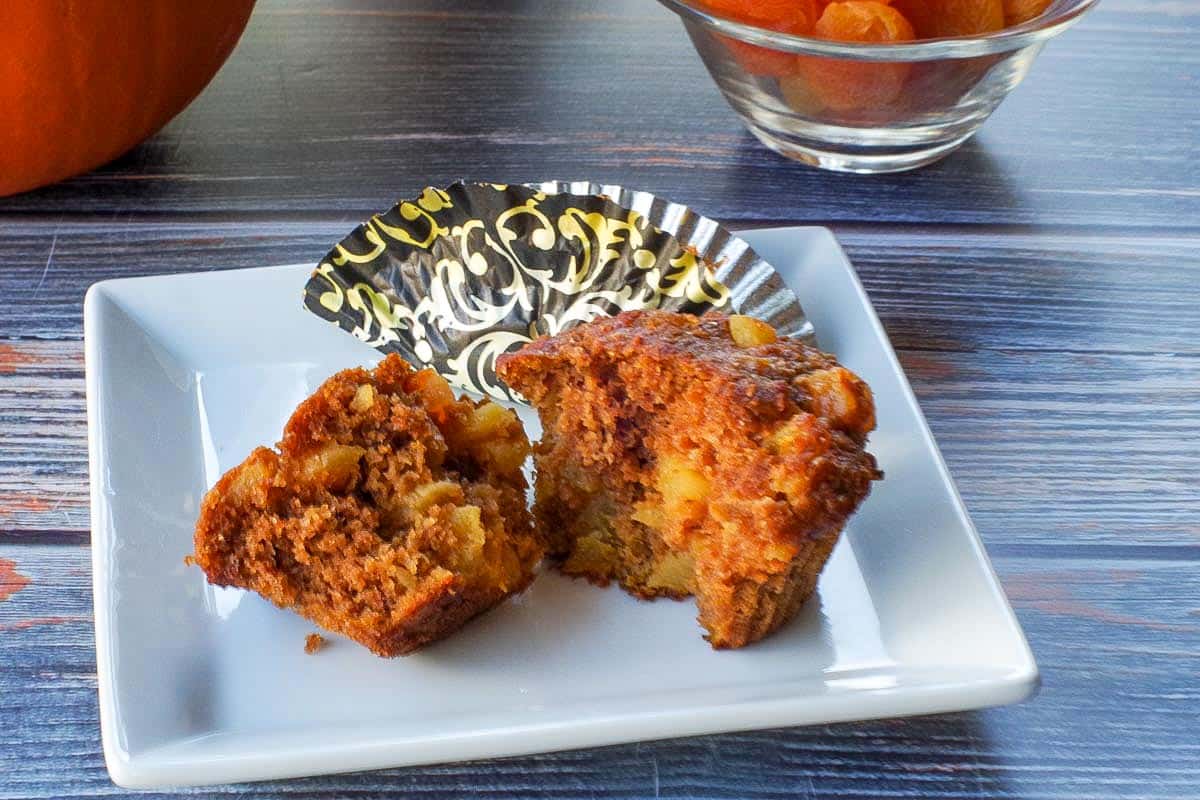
<point x="83" y="82"/>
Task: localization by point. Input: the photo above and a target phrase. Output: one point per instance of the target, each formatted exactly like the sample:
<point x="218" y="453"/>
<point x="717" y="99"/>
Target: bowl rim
<point x="1061" y="15"/>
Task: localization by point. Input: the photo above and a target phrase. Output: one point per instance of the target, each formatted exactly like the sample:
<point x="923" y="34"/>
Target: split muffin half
<point x="391" y="512"/>
<point x="702" y="456"/>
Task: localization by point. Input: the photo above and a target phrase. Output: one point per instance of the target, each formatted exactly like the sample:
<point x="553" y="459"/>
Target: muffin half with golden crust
<point x="696" y="455"/>
<point x="391" y="511"/>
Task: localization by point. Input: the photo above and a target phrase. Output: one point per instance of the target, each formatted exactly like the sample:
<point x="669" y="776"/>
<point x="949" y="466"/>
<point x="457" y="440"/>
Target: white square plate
<point x="186" y="373"/>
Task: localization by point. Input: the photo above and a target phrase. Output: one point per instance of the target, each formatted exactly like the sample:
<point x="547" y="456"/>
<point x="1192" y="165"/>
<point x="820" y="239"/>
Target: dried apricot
<point x="919" y="13"/>
<point x="863" y="21"/>
<point x="759" y="60"/>
<point x="798" y="93"/>
<point x="1018" y="11"/>
<point x="846" y="85"/>
<point x="785" y="16"/>
<point x="966" y="17"/>
<point x="823" y="4"/>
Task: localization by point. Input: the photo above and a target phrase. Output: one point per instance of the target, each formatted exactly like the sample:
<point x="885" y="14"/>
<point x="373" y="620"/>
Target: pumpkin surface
<point x="83" y="81"/>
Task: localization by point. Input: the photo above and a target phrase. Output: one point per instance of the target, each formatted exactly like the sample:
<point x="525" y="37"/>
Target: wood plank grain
<point x="345" y="105"/>
<point x="1118" y="644"/>
<point x="935" y="289"/>
<point x="1046" y="447"/>
<point x="958" y="289"/>
<point x="43" y="438"/>
<point x="1059" y="370"/>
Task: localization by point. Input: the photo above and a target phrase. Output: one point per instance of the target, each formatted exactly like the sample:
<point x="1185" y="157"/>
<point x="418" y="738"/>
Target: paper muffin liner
<point x="461" y="275"/>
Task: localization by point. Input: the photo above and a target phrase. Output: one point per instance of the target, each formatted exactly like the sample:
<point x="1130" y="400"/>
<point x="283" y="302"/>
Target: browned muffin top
<point x="737" y="359"/>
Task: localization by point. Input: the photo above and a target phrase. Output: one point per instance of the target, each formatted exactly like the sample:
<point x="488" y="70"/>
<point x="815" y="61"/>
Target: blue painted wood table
<point x="1042" y="287"/>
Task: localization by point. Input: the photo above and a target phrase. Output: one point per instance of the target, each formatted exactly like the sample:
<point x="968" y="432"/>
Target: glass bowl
<point x="867" y="108"/>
